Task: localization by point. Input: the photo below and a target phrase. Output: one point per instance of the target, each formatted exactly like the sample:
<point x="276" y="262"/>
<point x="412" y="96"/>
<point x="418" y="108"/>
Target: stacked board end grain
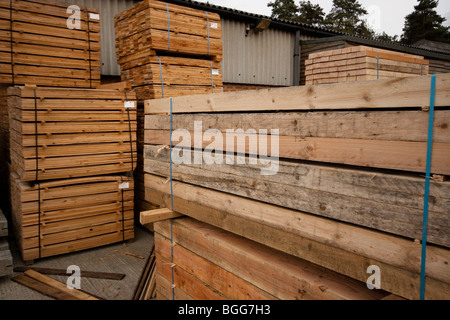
<point x="4" y="149"/>
<point x="62" y="216"/>
<point x="38" y="47"/>
<point x="344" y="190"/>
<point x="72" y="154"/>
<point x="6" y="263"/>
<point x="362" y="63"/>
<point x="58" y="133"/>
<point x="166" y="50"/>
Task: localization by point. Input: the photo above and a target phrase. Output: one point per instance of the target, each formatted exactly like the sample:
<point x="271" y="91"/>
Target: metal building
<point x="258" y="50"/>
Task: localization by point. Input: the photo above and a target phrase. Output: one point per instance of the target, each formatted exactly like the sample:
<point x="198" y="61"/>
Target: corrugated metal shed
<point x="264" y="57"/>
<point x="108" y="9"/>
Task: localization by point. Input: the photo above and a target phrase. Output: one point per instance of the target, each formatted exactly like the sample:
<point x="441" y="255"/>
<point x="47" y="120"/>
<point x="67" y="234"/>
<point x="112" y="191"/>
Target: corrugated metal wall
<point x="264" y="58"/>
<point x="108" y="9"/>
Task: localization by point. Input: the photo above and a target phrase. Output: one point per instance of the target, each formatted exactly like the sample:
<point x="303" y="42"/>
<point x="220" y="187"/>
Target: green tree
<point x="385" y="37"/>
<point x="284" y="9"/>
<point x="347" y="16"/>
<point x="311" y="14"/>
<point x="425" y="23"/>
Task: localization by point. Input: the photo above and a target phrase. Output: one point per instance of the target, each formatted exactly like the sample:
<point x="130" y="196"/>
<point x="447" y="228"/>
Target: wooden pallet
<point x="151" y="26"/>
<point x="36" y="45"/>
<point x="62" y="216"/>
<point x="348" y="187"/>
<point x="362" y="63"/>
<point x="56" y="137"/>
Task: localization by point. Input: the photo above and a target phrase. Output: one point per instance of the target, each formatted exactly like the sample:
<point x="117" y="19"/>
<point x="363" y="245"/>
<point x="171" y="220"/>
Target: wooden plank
<point x="230" y="285"/>
<point x="186" y="282"/>
<point x="284" y="276"/>
<point x="398" y="93"/>
<point x="334" y="197"/>
<point x="42" y="287"/>
<point x="77" y="245"/>
<point x="330" y="248"/>
<point x="63" y="272"/>
<point x="75" y="293"/>
<point x="395" y="155"/>
<point x="370" y="125"/>
<point x="156" y="215"/>
<point x="71" y="214"/>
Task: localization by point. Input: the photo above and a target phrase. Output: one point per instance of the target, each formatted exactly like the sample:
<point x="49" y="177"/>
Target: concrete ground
<point x="127" y="258"/>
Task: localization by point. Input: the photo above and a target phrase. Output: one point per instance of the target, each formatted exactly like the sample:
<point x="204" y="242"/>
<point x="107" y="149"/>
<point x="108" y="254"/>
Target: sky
<point x="383" y="14"/>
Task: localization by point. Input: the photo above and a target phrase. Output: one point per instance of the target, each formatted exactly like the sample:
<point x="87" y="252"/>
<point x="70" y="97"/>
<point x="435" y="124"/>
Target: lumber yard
<point x="180" y="150"/>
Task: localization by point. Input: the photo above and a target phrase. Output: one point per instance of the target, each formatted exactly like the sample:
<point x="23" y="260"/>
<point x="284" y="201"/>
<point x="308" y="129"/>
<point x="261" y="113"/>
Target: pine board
<point x="38" y="47"/>
<point x="253" y="271"/>
<point x="55" y="138"/>
<point x="75" y="214"/>
<point x="289" y="231"/>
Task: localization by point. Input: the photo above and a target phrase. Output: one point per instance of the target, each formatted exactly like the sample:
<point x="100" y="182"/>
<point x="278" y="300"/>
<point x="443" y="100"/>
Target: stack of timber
<point x="6" y="263"/>
<point x="166" y="50"/>
<point x="59" y="133"/>
<point x="362" y="63"/>
<point x="212" y="264"/>
<point x="4" y="149"/>
<point x="38" y="44"/>
<point x="344" y="189"/>
<point x="62" y="216"/>
<point x="166" y="76"/>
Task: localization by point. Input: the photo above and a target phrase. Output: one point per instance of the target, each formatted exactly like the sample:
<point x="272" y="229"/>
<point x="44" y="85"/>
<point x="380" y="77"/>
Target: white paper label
<point x="130" y="104"/>
<point x="215" y="72"/>
<point x="125" y="185"/>
<point x="214" y="25"/>
<point x="94" y="16"/>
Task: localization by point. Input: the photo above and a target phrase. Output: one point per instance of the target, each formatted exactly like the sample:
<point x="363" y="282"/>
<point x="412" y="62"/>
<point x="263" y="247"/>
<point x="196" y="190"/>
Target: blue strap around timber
<point x="168" y="26"/>
<point x="171" y="196"/>
<point x="427" y="186"/>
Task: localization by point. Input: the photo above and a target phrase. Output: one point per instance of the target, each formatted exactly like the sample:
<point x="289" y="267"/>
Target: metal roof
<point x="428" y="53"/>
<point x="253" y="17"/>
<point x="327" y="34"/>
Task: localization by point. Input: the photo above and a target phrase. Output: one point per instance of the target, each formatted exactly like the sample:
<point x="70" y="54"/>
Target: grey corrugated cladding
<point x="108" y="9"/>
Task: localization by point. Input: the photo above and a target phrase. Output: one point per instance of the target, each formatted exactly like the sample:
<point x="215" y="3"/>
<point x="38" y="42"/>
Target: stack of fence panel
<point x="362" y="63"/>
<point x="165" y="50"/>
<point x="57" y="135"/>
<point x="37" y="47"/>
<point x="334" y="175"/>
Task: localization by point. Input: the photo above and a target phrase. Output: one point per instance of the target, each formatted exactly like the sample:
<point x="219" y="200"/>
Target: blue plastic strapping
<point x="171" y="195"/>
<point x="427" y="186"/>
